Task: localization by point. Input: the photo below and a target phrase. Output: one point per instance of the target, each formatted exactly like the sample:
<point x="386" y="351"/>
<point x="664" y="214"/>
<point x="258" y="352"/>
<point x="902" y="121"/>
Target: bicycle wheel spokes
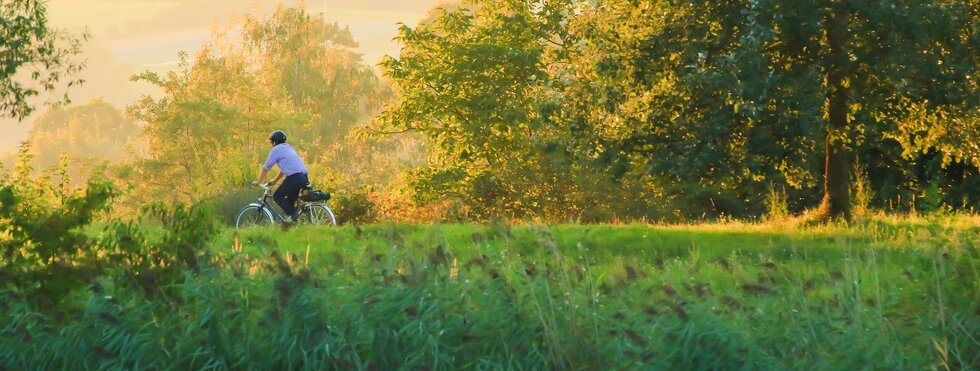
<point x="318" y="214"/>
<point x="252" y="217"/>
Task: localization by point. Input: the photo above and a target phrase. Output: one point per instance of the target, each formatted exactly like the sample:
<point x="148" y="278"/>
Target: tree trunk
<point x="836" y="199"/>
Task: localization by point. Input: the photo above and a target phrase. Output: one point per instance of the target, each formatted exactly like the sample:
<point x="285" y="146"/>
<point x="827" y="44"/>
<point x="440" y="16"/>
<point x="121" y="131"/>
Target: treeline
<point x="571" y="111"/>
<point x="677" y="110"/>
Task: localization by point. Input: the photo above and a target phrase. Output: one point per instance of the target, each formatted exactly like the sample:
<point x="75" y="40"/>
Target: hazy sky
<point x="129" y="36"/>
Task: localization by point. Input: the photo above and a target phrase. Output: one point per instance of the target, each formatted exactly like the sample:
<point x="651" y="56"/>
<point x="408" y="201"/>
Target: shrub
<point x="46" y="251"/>
<point x="354" y="207"/>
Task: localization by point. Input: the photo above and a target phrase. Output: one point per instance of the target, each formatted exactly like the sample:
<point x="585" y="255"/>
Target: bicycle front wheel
<point x="318" y="214"/>
<point x="253" y="216"/>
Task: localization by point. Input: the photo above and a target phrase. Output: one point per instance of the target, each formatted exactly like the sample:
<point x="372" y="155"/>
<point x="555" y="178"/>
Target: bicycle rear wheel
<point x="318" y="214"/>
<point x="253" y="216"/>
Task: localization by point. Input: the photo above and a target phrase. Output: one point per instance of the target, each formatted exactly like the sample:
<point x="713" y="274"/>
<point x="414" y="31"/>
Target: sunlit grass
<point x="889" y="293"/>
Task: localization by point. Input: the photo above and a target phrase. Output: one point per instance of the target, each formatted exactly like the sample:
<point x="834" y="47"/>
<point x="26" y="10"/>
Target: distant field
<point x="883" y="294"/>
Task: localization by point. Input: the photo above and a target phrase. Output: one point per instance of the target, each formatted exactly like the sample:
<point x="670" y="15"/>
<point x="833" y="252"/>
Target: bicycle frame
<point x="264" y="204"/>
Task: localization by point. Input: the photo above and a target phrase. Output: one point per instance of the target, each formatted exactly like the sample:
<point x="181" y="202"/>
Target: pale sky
<point x="129" y="36"/>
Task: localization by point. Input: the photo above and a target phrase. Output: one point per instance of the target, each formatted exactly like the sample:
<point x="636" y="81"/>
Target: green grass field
<point x="899" y="294"/>
<point x="882" y="294"/>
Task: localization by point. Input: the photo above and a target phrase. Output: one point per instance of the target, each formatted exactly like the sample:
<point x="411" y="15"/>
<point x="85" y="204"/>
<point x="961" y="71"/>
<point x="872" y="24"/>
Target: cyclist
<point x="291" y="167"/>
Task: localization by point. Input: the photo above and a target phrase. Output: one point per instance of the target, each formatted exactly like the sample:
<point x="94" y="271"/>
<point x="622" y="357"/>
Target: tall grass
<point x="887" y="294"/>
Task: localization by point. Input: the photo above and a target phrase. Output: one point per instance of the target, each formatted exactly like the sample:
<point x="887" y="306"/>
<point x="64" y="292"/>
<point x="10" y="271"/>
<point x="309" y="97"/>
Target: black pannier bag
<point x="315" y="196"/>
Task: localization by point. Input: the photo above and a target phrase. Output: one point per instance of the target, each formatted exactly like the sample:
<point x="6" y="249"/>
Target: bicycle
<point x="310" y="212"/>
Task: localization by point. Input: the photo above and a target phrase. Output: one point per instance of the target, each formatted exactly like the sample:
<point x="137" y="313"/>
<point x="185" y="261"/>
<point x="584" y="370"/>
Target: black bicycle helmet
<point x="278" y="137"/>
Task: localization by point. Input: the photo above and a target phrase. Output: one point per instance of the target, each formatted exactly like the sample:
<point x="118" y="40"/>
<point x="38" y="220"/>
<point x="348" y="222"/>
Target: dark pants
<point x="288" y="192"/>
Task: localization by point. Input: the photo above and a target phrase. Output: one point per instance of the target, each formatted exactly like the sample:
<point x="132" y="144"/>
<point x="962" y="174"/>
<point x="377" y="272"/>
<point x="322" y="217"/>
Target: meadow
<point x="812" y="169"/>
<point x="883" y="293"/>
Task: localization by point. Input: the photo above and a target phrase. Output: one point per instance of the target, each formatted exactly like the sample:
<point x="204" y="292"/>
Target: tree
<point x="30" y="50"/>
<point x="732" y="92"/>
<point x="702" y="105"/>
<point x="472" y="81"/>
<point x="88" y="134"/>
<point x="208" y="134"/>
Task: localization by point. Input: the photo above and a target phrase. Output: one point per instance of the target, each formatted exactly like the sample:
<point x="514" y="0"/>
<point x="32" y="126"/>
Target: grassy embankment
<point x="901" y="294"/>
<point x="894" y="294"/>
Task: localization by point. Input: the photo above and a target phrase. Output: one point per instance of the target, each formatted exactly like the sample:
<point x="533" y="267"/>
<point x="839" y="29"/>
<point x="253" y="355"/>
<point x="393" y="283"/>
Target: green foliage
<point x="476" y="81"/>
<point x="46" y="252"/>
<point x="89" y="135"/>
<point x="544" y="109"/>
<point x="49" y="248"/>
<point x="355" y="207"/>
<point x="776" y="205"/>
<point x="156" y="265"/>
<point x="292" y="72"/>
<point x="894" y="294"/>
<point x="466" y="85"/>
<point x="26" y="42"/>
<point x="730" y="95"/>
<point x="861" y="191"/>
<point x="227" y="205"/>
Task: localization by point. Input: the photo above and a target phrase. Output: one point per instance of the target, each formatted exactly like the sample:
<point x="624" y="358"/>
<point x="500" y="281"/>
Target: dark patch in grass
<point x="668" y="290"/>
<point x="651" y="311"/>
<point x="481" y="261"/>
<point x="908" y="275"/>
<point x="411" y="310"/>
<point x="635" y="337"/>
<point x="700" y="289"/>
<point x="439" y="257"/>
<point x="101" y="352"/>
<point x="731" y="302"/>
<point x="725" y="264"/>
<point x="632" y="273"/>
<point x="678" y="309"/>
<point x="108" y="317"/>
<point x="530" y="270"/>
<point x="769" y="265"/>
<point x="809" y="285"/>
<point x="754" y="289"/>
<point x="767" y="280"/>
<point x="619" y="316"/>
<point x="836" y="276"/>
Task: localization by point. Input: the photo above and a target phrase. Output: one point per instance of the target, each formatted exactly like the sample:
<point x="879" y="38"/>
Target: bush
<point x="227" y="205"/>
<point x="46" y="251"/>
<point x="49" y="247"/>
<point x="354" y="207"/>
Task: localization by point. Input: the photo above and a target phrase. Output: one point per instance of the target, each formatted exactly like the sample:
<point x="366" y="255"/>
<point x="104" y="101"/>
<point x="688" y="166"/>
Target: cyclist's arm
<point x="269" y="163"/>
<point x="278" y="178"/>
<point x="261" y="177"/>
